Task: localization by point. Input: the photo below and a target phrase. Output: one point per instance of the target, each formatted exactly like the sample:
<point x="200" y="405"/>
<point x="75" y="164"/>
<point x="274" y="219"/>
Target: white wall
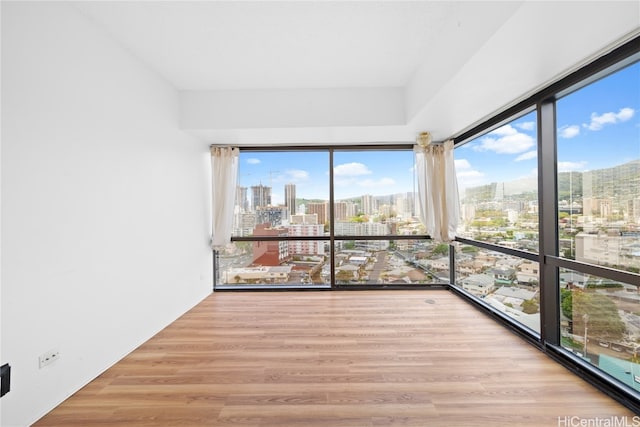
<point x="105" y="205"/>
<point x="292" y="108"/>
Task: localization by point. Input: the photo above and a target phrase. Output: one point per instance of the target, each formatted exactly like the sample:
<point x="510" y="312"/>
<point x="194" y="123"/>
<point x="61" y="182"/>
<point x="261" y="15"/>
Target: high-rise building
<point x="340" y="211"/>
<point x="320" y="209"/>
<point x="260" y="196"/>
<point x="274" y="215"/>
<point x="304" y="218"/>
<point x="403" y="205"/>
<point x="290" y="197"/>
<point x="306" y="247"/>
<point x="361" y="228"/>
<point x="344" y="210"/>
<point x="271" y="253"/>
<point x="241" y="198"/>
<point x="244" y="224"/>
<point x="368" y="206"/>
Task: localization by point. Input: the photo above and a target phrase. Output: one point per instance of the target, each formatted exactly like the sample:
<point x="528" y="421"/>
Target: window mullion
<point x="548" y="214"/>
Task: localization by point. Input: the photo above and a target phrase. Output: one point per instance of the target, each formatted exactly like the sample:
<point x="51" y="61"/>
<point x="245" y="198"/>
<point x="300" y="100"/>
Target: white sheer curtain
<point x="224" y="173"/>
<point x="437" y="188"/>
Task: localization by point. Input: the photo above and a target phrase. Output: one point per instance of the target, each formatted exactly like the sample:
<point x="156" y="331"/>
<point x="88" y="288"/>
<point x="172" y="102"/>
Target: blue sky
<point x="355" y="173"/>
<point x="598" y="127"/>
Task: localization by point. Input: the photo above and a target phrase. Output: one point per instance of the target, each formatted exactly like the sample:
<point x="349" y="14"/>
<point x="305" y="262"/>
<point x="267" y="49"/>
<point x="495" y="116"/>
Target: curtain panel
<point x="437" y="188"/>
<point x="224" y="173"/>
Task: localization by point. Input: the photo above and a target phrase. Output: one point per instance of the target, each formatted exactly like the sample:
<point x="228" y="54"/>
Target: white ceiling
<point x="453" y="62"/>
<point x="282" y="45"/>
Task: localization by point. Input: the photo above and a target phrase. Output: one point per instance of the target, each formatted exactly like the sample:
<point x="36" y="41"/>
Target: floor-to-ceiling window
<point x="281" y="221"/>
<point x="550" y="233"/>
<point x="329" y="217"/>
<point x="498" y="183"/>
<point x="598" y="192"/>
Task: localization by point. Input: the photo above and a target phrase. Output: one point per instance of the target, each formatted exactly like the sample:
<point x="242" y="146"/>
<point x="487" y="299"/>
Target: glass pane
<point x="509" y="284"/>
<point x="599" y="172"/>
<point x="395" y="262"/>
<point x="294" y="263"/>
<point x="374" y="193"/>
<point x="279" y="189"/>
<point x="600" y="322"/>
<point x="498" y="185"/>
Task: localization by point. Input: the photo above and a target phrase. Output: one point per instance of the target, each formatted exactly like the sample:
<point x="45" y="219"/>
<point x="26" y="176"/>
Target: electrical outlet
<point x="48" y="358"/>
<point x="5" y="379"/>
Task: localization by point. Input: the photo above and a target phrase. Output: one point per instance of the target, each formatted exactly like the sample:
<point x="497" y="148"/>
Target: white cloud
<point x="571" y="166"/>
<point x="382" y="182"/>
<point x="351" y="169"/>
<point x="253" y="161"/>
<point x="297" y="174"/>
<point x="509" y="141"/>
<point x="569" y="131"/>
<point x="462" y="164"/>
<point x="610" y="118"/>
<point x="470" y="174"/>
<point x="503" y="131"/>
<point x="625" y="114"/>
<point x="526" y="125"/>
<point x="467" y="176"/>
<point x="350" y="182"/>
<point x="527" y="156"/>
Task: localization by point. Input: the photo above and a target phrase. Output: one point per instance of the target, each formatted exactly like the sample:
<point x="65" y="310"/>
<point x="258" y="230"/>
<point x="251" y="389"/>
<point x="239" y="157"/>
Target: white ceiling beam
<point x="292" y="108"/>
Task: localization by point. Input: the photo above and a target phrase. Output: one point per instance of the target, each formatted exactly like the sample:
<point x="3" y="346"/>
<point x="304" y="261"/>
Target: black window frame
<point x="332" y="238"/>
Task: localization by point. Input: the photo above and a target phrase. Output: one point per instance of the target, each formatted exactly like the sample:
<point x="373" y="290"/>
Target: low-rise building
<point x="263" y="274"/>
<point x="478" y="284"/>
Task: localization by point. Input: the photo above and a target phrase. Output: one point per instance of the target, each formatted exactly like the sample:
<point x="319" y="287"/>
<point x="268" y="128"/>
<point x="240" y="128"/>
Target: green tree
<point x="361" y="217"/>
<point x="568" y="253"/>
<point x="349" y="245"/>
<point x="344" y="275"/>
<point x="470" y="249"/>
<point x="530" y="306"/>
<point x="603" y="320"/>
<point x="566" y="303"/>
<point x="441" y="249"/>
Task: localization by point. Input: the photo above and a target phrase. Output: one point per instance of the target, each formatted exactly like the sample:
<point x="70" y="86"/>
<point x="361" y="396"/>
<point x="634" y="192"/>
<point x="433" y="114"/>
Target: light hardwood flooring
<point x="336" y="359"/>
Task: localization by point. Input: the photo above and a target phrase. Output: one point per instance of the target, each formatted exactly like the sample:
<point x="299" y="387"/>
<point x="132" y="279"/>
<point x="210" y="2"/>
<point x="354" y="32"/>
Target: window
<point x="374" y="193"/>
<point x="282" y="193"/>
<point x="296" y="218"/>
<point x="599" y="172"/>
<point x="507" y="283"/>
<point x="599" y="323"/>
<point x="598" y="192"/>
<point x="498" y="184"/>
<point x="391" y="262"/>
<point x="495" y="261"/>
<point x="591" y="254"/>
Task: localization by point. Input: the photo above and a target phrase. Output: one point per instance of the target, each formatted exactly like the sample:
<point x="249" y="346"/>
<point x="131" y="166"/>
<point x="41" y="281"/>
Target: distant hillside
<point x="501" y="190"/>
<point x="623" y="181"/>
<point x="569" y="185"/>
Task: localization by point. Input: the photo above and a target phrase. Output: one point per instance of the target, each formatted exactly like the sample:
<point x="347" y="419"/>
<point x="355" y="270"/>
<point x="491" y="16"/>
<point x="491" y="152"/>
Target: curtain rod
<point x="381" y="146"/>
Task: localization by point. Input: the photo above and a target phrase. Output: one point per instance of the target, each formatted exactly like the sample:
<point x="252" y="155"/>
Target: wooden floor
<point x="357" y="359"/>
